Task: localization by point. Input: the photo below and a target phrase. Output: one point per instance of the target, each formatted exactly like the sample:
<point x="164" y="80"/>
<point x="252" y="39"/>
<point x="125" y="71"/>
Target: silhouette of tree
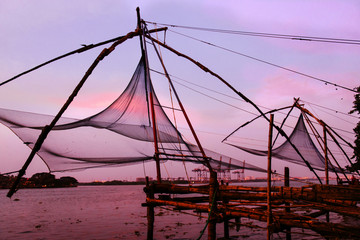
<point x="68" y="181"/>
<point x="356" y="109"/>
<point x="43" y="179"/>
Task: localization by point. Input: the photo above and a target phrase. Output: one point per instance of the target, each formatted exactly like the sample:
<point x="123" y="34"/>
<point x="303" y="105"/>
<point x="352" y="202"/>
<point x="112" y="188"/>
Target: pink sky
<point x="38" y="31"/>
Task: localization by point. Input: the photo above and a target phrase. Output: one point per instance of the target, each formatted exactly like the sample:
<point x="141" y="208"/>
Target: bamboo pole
<point x="326" y="158"/>
<point x="105" y="52"/>
<point x="153" y="116"/>
<point x="150" y="210"/>
<point x="248" y="122"/>
<point x="289" y="219"/>
<point x="314" y="193"/>
<point x="239" y="94"/>
<point x="212" y="206"/>
<point x="326" y="166"/>
<point x="269" y="222"/>
<point x="287" y="208"/>
<point x="79" y="50"/>
<point x="284" y="120"/>
<point x="183" y="110"/>
<point x="321" y="143"/>
<point x="225" y="202"/>
<point x="157" y="160"/>
<point x="329" y="132"/>
<point x="237" y="223"/>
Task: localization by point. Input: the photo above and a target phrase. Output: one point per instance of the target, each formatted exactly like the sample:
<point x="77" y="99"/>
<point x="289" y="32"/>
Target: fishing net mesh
<point x="121" y="134"/>
<point x="303" y="142"/>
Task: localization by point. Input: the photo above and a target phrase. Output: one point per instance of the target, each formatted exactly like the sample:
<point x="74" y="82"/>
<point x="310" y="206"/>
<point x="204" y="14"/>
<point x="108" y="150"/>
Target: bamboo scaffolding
<point x="205" y="69"/>
<point x="292" y="207"/>
<point x="315" y="193"/>
<point x="280" y="219"/>
<point x="281" y="207"/>
<point x="46" y="130"/>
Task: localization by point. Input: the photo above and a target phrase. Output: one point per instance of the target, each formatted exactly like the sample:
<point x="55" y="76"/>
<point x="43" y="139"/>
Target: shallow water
<point x="91" y="212"/>
<point x="101" y="212"/>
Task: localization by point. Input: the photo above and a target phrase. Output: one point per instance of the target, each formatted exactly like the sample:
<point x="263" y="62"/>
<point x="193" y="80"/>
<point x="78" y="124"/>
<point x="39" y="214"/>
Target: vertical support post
<point x="269" y="221"/>
<point x="226" y="218"/>
<point x="212" y="205"/>
<point x="287" y="209"/>
<point x="157" y="160"/>
<point x="237" y="223"/>
<point x="150" y="211"/>
<point x="326" y="166"/>
<point x="153" y="118"/>
<point x="326" y="158"/>
<point x="183" y="110"/>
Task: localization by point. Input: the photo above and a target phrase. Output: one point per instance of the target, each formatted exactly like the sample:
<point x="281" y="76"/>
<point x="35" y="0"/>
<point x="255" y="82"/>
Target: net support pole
<point x="226" y="217"/>
<point x="287" y="115"/>
<point x="45" y="131"/>
<point x="326" y="166"/>
<point x="248" y="122"/>
<point x="157" y="160"/>
<point x="287" y="205"/>
<point x="150" y="210"/>
<point x="326" y="158"/>
<point x="269" y="214"/>
<point x="152" y="110"/>
<point x="205" y="69"/>
<point x="183" y="111"/>
<point x="79" y="50"/>
<point x="213" y="186"/>
<point x="330" y="134"/>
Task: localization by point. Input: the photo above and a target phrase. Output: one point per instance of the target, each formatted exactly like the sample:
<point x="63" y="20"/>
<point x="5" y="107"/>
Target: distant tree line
<point x="39" y="180"/>
<point x="48" y="180"/>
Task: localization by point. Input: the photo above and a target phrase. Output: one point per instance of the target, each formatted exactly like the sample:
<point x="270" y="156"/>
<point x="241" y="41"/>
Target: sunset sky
<point x="33" y="32"/>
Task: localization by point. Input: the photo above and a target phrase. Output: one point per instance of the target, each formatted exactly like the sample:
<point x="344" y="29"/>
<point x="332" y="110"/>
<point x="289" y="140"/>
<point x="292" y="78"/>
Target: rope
<point x="270" y="35"/>
<point x="268" y="63"/>
<point x="173" y="110"/>
<point x="336" y="111"/>
<point x="207" y="221"/>
<point x="144" y="168"/>
<point x="235" y="98"/>
<point x="167" y="172"/>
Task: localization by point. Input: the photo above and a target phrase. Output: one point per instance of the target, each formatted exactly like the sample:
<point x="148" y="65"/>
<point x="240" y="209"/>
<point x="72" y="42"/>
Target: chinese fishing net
<point x="119" y="135"/>
<point x="301" y="139"/>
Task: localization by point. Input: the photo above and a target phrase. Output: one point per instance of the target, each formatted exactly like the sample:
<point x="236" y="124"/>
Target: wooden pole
<point x="292" y="219"/>
<point x="326" y="166"/>
<point x="79" y="50"/>
<point x="269" y="177"/>
<point x="239" y="94"/>
<point x="287" y="209"/>
<point x="157" y="160"/>
<point x="150" y="211"/>
<point x="212" y="206"/>
<point x="315" y="132"/>
<point x="326" y="158"/>
<point x="237" y="223"/>
<point x="153" y="117"/>
<point x="183" y="111"/>
<point x="226" y="218"/>
<point x="46" y="130"/>
<point x="329" y="132"/>
<point x="287" y="115"/>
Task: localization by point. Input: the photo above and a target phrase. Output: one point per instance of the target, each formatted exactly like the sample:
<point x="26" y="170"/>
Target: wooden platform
<point x="290" y="207"/>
